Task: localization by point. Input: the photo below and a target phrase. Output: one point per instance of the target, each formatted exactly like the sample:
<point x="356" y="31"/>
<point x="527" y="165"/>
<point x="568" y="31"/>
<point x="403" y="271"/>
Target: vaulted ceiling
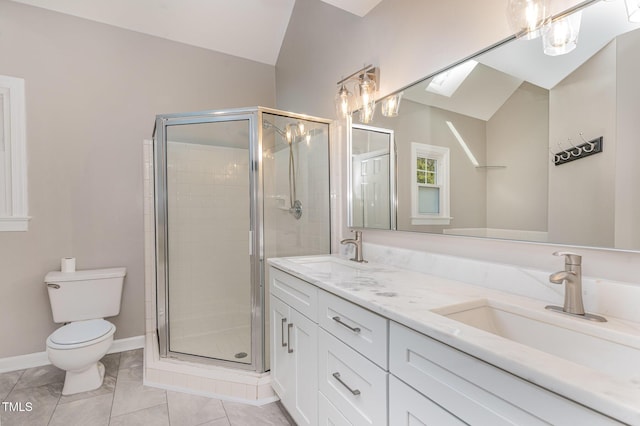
<point x="251" y="29"/>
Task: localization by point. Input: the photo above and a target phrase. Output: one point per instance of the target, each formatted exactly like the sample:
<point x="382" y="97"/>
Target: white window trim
<point x="442" y="155"/>
<point x="15" y="168"/>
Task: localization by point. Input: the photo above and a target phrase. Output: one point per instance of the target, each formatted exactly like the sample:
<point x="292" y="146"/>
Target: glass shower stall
<point x="232" y="189"/>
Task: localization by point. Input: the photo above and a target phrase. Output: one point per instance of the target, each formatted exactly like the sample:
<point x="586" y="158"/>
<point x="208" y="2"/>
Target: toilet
<point x="82" y="299"/>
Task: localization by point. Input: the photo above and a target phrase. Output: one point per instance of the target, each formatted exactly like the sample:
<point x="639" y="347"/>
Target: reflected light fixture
<point x="391" y="105"/>
<point x="364" y="82"/>
<point x="633" y="10"/>
<point x="561" y="36"/>
<point x="528" y="17"/>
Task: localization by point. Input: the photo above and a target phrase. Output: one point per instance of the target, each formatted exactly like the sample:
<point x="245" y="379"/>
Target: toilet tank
<point x="87" y="294"/>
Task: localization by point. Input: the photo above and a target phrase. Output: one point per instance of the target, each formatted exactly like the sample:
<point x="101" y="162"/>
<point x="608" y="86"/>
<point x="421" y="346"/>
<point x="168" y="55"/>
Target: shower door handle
<point x="289" y="348"/>
<point x="284" y="321"/>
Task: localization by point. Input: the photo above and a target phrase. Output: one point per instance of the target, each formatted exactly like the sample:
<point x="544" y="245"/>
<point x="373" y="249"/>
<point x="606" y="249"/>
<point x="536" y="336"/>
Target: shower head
<point x="269" y="125"/>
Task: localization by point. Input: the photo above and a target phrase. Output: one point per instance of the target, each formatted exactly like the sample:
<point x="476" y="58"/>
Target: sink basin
<point x="329" y="265"/>
<point x="602" y="347"/>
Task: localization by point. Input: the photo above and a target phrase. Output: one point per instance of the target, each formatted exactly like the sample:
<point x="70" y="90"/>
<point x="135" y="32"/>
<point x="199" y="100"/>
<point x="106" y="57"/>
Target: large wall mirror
<point x="517" y="144"/>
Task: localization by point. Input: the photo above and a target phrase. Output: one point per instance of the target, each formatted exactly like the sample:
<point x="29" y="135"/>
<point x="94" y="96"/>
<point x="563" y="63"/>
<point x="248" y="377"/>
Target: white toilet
<point x="82" y="299"/>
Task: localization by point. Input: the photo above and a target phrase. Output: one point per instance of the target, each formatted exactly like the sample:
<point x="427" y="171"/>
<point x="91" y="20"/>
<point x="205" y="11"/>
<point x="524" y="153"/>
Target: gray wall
<point x="517" y="137"/>
<point x="410" y="39"/>
<point x="589" y="181"/>
<point x="92" y="94"/>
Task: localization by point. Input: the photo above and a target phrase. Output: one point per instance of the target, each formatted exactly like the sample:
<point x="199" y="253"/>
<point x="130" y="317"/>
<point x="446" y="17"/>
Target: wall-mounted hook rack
<point x="586" y="149"/>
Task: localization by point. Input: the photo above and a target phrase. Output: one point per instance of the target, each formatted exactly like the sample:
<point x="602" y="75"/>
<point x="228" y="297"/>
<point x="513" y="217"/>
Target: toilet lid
<point x="81" y="331"/>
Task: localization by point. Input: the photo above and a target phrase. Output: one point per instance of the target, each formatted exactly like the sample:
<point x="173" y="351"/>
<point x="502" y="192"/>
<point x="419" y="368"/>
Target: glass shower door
<point x="295" y="164"/>
<point x="208" y="215"/>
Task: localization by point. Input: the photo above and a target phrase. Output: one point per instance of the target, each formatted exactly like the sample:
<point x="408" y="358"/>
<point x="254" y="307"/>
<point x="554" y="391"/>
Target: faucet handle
<point x="570" y="258"/>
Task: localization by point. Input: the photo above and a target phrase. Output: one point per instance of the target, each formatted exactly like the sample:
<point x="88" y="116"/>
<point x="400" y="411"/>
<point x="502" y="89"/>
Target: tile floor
<point x="122" y="400"/>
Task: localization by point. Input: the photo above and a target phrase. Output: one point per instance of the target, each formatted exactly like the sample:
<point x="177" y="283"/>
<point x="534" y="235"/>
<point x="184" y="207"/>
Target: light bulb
<point x="527" y="17"/>
<point x="561" y="36"/>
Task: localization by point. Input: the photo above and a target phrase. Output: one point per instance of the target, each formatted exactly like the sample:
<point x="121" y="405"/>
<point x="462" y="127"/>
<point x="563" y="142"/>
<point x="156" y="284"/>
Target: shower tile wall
<point x="208" y="217"/>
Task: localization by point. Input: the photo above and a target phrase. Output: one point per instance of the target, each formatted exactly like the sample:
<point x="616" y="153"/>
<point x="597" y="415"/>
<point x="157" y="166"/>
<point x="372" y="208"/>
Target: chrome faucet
<point x="357" y="243"/>
<point x="572" y="278"/>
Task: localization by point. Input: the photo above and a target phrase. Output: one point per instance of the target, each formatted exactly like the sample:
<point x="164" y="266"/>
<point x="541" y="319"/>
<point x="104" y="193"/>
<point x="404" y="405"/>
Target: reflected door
<point x="208" y="190"/>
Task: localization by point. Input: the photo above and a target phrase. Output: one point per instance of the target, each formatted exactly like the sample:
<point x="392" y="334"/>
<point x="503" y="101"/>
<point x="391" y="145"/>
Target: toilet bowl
<point x="77" y="348"/>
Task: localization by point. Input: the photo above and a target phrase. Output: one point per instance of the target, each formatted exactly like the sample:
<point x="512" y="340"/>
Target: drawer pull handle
<point x="339" y="321"/>
<point x="289" y="348"/>
<point x="284" y="321"/>
<point x="336" y="375"/>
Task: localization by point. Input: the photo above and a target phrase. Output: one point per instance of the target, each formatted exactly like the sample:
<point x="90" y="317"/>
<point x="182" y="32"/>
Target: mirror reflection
<point x="371" y="176"/>
<point x="518" y="144"/>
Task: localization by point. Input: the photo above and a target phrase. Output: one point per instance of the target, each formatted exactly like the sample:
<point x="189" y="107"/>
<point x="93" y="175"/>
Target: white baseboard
<point x="38" y="359"/>
<point x="128" y="344"/>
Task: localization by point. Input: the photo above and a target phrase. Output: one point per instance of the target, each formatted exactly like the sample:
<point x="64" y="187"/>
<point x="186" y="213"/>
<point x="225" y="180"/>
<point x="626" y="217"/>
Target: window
<point x="430" y="186"/>
<point x="13" y="159"/>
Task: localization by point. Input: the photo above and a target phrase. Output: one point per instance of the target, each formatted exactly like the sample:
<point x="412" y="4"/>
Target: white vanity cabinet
<point x="334" y="362"/>
<point x="294" y="346"/>
<point x="474" y="391"/>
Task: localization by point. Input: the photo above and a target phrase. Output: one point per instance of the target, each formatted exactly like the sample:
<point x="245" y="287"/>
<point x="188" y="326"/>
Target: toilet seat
<point x="81" y="333"/>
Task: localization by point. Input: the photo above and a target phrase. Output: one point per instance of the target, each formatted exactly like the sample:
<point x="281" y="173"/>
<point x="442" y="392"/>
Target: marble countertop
<point x="408" y="297"/>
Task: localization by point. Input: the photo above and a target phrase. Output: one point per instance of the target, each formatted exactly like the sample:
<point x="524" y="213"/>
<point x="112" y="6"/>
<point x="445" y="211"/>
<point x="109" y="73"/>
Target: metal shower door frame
<point x="255" y="232"/>
<point x="257" y="254"/>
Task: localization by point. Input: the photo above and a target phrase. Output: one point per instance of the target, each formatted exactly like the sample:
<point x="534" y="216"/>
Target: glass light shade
<point x="391" y="105"/>
<point x="367" y="88"/>
<point x="366" y="112"/>
<point x="633" y="10"/>
<point x="527" y="17"/>
<point x="344" y="102"/>
<point x="561" y="36"/>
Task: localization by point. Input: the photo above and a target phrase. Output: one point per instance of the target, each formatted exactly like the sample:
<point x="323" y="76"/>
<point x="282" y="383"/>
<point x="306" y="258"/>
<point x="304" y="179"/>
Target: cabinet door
<point x="303" y="350"/>
<point x="328" y="415"/>
<point x="281" y="365"/>
<point x="407" y="407"/>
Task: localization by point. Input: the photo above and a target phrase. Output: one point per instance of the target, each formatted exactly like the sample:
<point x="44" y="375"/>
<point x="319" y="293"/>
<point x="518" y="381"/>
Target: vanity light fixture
<point x="561" y="36"/>
<point x="528" y="17"/>
<point x="391" y="105"/>
<point x="344" y="102"/>
<point x="365" y="83"/>
<point x="367" y="90"/>
<point x="633" y="10"/>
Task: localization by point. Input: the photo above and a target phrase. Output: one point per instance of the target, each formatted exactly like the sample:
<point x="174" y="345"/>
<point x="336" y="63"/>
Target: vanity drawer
<point x="359" y="328"/>
<point x="298" y="294"/>
<point x="475" y="391"/>
<point x="353" y="384"/>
